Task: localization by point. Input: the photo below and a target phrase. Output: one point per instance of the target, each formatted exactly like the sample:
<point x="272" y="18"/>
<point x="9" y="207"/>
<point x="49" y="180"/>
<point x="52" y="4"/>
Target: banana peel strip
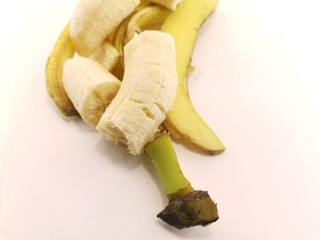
<point x="150" y="17"/>
<point x="145" y="17"/>
<point x="62" y="51"/>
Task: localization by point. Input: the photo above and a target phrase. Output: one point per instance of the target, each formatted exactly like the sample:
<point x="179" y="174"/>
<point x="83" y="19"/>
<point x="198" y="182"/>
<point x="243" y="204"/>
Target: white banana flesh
<point x="90" y="87"/>
<point x="107" y="55"/>
<point x="146" y="94"/>
<point x="94" y="20"/>
<point x="170" y="4"/>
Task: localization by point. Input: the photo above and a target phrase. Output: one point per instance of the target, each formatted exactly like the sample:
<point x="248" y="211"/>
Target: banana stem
<point x="166" y="163"/>
<point x="186" y="207"/>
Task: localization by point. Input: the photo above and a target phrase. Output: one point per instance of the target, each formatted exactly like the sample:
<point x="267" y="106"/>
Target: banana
<point x="62" y="51"/>
<point x="94" y="20"/>
<point x="170" y="4"/>
<point x="180" y="24"/>
<point x="107" y="55"/>
<point x="132" y="111"/>
<point x="146" y="94"/>
<point x="90" y="87"/>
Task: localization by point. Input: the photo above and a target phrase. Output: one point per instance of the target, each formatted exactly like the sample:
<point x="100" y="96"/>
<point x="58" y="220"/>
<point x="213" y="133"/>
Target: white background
<point x="256" y="84"/>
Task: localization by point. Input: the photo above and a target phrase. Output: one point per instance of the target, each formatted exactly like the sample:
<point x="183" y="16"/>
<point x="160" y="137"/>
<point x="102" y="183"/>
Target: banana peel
<point x="62" y="51"/>
<point x="183" y="121"/>
<point x="145" y="17"/>
<point x="148" y="18"/>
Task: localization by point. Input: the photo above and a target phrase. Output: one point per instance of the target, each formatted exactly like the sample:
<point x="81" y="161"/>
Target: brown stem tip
<point x="193" y="209"/>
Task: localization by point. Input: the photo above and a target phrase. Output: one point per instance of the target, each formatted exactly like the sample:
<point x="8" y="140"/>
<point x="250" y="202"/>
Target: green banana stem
<point x="186" y="207"/>
<point x="166" y="163"/>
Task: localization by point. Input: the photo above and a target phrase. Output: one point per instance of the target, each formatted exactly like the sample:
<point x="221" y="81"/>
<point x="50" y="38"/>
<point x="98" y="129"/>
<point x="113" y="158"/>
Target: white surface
<point x="257" y="69"/>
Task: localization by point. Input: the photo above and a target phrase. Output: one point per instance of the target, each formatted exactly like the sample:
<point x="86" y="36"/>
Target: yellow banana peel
<point x="62" y="51"/>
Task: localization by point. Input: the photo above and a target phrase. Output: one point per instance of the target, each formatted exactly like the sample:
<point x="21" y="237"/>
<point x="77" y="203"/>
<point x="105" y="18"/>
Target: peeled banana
<point x="90" y="87"/>
<point x="181" y="24"/>
<point x="132" y="111"/>
<point x="94" y="20"/>
<point x="146" y="94"/>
